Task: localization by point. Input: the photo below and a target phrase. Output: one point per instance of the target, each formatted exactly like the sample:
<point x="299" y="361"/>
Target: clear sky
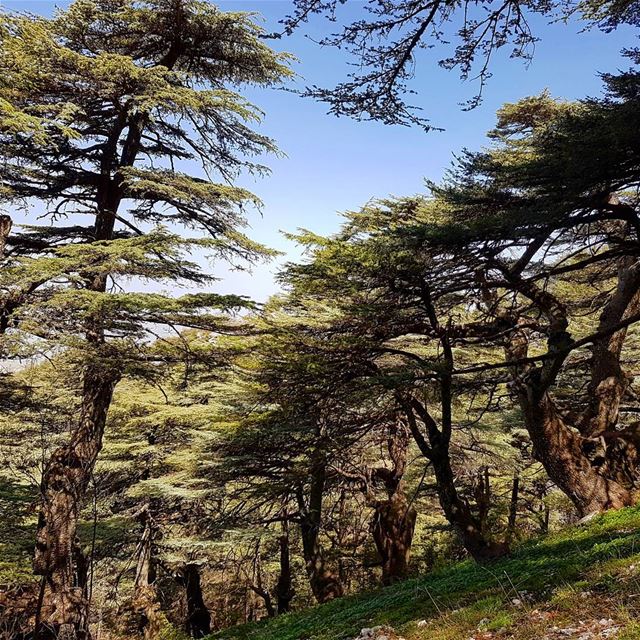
<point x="333" y="165"/>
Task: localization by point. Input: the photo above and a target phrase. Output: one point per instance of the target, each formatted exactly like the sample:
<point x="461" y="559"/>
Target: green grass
<point x="559" y="574"/>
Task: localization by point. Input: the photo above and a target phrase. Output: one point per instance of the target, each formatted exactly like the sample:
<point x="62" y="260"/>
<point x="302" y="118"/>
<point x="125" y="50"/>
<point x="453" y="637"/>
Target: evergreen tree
<point x="100" y="107"/>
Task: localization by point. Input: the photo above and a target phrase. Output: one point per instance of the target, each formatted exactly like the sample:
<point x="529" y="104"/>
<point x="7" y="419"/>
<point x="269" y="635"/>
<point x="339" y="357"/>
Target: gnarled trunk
<point x="394" y="521"/>
<point x="63" y="489"/>
<point x="561" y="451"/>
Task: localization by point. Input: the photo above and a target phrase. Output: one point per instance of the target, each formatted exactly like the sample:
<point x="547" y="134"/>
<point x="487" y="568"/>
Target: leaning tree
<point x="547" y="224"/>
<point x="118" y="116"/>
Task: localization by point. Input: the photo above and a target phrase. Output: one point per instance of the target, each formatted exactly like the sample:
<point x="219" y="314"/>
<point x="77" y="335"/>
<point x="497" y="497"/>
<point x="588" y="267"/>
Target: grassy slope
<point x="571" y="579"/>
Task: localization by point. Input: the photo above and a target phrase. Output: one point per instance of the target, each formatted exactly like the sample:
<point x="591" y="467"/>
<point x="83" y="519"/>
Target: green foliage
<point x="99" y="108"/>
<point x="538" y="568"/>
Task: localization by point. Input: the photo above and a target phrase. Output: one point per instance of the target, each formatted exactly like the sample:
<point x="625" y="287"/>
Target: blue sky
<point x="336" y="164"/>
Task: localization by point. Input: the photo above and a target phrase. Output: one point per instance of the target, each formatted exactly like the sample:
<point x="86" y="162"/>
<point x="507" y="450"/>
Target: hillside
<point x="581" y="583"/>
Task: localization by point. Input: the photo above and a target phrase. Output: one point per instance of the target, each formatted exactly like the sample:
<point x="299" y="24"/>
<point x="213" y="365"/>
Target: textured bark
<point x="63" y="488"/>
<point x="145" y="606"/>
<point x="394" y="519"/>
<point x="5" y="230"/>
<point x="393" y="526"/>
<point x="613" y="450"/>
<point x="592" y="481"/>
<point x="325" y="583"/>
<point x="561" y="450"/>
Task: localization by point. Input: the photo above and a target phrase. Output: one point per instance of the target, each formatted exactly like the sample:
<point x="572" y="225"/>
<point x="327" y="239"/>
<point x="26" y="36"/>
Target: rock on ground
<point x="378" y="633"/>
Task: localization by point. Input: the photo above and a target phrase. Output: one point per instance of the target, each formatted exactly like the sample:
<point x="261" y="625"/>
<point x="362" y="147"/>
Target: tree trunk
<point x="325" y="583"/>
<point x="561" y="451"/>
<point x="513" y="508"/>
<point x="458" y="513"/>
<point x="284" y="588"/>
<point x="586" y="469"/>
<point x="198" y="616"/>
<point x="5" y="230"/>
<point x="393" y="525"/>
<point x="63" y="487"/>
<point x="394" y="519"/>
<point x="145" y="605"/>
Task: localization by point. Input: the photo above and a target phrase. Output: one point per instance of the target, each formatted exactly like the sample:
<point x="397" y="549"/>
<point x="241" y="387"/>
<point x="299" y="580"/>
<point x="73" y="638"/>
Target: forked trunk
<point x="562" y="453"/>
<point x="597" y="475"/>
<point x="459" y="514"/>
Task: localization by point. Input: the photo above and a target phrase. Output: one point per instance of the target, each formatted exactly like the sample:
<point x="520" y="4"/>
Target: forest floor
<point x="582" y="583"/>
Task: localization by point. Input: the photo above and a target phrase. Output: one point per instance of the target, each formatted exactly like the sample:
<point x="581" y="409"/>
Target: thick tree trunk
<point x="589" y="471"/>
<point x="614" y="450"/>
<point x="325" y="583"/>
<point x="284" y="588"/>
<point x="561" y="451"/>
<point x="394" y="519"/>
<point x="198" y="616"/>
<point x="393" y="526"/>
<point x="63" y="487"/>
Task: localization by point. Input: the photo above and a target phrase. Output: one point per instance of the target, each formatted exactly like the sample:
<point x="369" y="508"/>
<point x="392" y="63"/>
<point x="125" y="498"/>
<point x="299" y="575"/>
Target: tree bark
<point x="325" y="583"/>
<point x="5" y="230"/>
<point x="198" y="616"/>
<point x="394" y="519"/>
<point x="561" y="450"/>
<point x="145" y="605"/>
<point x="284" y="588"/>
<point x="393" y="526"/>
<point x="63" y="487"/>
<point x="589" y="480"/>
<point x="458" y="512"/>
